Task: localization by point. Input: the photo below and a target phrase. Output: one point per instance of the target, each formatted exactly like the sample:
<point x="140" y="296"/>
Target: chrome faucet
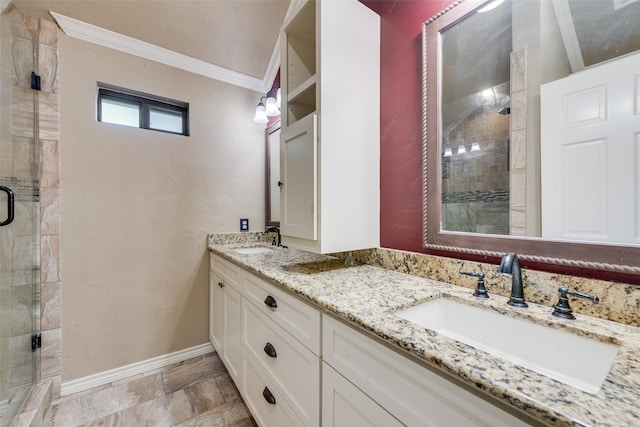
<point x="510" y="264"/>
<point x="275" y="229"/>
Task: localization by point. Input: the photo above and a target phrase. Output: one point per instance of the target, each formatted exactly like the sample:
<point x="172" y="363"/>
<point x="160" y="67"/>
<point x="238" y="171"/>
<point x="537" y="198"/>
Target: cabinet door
<point x="225" y="324"/>
<point x="298" y="169"/>
<point x="344" y="405"/>
<point x="232" y="333"/>
<point x="216" y="312"/>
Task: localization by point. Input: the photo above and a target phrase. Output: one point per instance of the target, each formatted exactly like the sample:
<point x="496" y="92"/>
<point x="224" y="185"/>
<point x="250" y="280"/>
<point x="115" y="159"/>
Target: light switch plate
<point x="244" y="224"/>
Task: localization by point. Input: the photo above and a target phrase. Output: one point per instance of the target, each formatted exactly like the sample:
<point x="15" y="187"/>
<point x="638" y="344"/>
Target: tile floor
<point x="196" y="392"/>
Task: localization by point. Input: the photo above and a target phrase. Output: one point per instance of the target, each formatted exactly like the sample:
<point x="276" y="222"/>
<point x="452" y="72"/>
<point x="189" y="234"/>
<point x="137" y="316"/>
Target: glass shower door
<point x="19" y="214"/>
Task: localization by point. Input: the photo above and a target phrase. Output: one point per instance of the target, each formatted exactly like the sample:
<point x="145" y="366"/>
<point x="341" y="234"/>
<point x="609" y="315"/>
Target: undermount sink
<point x="572" y="359"/>
<point x="255" y="250"/>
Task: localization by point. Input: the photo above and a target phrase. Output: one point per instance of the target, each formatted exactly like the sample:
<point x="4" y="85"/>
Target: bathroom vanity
<point x="316" y="343"/>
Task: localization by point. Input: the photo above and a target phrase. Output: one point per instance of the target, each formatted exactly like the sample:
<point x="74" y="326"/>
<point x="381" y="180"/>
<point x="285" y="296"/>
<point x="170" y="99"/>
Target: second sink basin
<point x="255" y="250"/>
<point x="572" y="359"/>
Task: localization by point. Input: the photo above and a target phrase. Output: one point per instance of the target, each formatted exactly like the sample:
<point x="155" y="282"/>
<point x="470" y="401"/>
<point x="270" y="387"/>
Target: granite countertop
<point x="368" y="296"/>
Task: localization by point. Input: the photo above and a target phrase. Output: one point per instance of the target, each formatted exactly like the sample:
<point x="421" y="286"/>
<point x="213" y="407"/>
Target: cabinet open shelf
<point x="300" y="45"/>
<point x="301" y="89"/>
<point x="302" y="101"/>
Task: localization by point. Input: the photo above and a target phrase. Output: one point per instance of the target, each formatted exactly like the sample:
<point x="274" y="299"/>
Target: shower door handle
<point x="10" y="206"/>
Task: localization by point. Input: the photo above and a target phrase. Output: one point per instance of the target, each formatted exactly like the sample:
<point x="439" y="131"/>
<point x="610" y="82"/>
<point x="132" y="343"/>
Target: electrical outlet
<point x="244" y="224"/>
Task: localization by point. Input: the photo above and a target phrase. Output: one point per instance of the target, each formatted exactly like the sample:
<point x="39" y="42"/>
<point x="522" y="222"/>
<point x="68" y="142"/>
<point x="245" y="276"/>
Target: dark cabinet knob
<point x="268" y="396"/>
<point x="220" y="284"/>
<point x="270" y="350"/>
<point x="271" y="301"/>
<point x="280" y="183"/>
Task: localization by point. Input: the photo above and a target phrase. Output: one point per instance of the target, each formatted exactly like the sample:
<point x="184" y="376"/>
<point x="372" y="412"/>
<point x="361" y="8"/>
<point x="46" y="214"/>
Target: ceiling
<point x="238" y="38"/>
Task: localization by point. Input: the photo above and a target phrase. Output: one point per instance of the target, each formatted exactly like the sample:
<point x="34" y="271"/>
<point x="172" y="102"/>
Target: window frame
<point x="145" y="103"/>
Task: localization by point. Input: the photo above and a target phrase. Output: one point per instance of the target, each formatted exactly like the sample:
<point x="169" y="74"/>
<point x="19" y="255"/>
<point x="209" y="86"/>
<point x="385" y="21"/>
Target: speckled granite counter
<point x="368" y="297"/>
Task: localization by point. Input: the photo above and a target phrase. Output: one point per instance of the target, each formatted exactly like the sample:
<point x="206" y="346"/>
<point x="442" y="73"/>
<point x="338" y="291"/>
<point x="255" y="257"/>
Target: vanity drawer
<point x="292" y="367"/>
<point x="410" y="392"/>
<point x="296" y="317"/>
<point x="228" y="271"/>
<point x="257" y="389"/>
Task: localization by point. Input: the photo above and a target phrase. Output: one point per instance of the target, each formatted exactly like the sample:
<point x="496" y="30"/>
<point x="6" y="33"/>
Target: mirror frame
<point x="590" y="256"/>
<point x="267" y="188"/>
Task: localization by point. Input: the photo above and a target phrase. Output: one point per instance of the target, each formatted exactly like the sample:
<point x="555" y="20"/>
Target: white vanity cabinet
<point x="269" y="342"/>
<point x="330" y="139"/>
<point x="408" y="392"/>
<point x="296" y="366"/>
<point x="281" y="340"/>
<point x="225" y="314"/>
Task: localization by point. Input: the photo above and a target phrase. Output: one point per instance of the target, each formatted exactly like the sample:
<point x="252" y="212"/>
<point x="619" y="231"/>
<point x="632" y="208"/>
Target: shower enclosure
<point x="19" y="211"/>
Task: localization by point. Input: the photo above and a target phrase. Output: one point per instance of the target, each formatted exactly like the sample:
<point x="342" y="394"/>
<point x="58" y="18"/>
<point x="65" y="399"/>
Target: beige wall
<point x="137" y="205"/>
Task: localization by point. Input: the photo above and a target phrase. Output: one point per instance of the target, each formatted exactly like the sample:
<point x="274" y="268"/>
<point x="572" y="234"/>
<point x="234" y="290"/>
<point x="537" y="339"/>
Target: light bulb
<point x="448" y="152"/>
<point x="461" y="149"/>
<point x="261" y="114"/>
<point x="272" y="108"/>
<point x="475" y="147"/>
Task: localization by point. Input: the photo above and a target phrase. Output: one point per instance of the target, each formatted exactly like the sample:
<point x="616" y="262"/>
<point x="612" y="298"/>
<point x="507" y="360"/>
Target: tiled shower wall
<point x="518" y="170"/>
<point x="475" y="185"/>
<point x="42" y="58"/>
<point x="18" y="245"/>
<point x="50" y="225"/>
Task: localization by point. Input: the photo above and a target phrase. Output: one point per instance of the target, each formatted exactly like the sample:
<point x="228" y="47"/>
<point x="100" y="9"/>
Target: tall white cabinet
<point x="330" y="140"/>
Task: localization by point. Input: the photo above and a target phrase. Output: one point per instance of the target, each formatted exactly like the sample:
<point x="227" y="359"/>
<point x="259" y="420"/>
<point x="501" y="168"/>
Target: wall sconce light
<point x="261" y="112"/>
<point x="270" y="107"/>
<point x="462" y="149"/>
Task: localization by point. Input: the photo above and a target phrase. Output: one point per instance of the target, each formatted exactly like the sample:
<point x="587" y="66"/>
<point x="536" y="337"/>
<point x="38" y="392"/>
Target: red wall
<point x="401" y="118"/>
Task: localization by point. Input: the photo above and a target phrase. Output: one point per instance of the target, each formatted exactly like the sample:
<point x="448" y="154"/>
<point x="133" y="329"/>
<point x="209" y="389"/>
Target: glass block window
<point x="132" y="108"/>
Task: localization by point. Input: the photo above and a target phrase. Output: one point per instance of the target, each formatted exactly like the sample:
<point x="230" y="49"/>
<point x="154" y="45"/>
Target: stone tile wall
<point x="518" y="169"/>
<point x="38" y="110"/>
<point x="50" y="225"/>
<point x="475" y="184"/>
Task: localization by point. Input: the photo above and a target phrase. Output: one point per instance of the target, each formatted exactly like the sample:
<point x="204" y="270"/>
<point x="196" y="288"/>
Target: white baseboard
<point x="123" y="372"/>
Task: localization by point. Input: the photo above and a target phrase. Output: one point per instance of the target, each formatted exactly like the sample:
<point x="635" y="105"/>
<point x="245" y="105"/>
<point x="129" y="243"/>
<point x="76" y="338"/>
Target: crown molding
<point x="273" y="67"/>
<point x="100" y="36"/>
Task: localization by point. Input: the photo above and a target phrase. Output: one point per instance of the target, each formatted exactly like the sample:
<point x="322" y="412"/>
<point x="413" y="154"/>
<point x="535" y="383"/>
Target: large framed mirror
<point x="272" y="176"/>
<point x="531" y="131"/>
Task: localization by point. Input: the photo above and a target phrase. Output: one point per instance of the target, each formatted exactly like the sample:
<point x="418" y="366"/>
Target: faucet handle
<point x="480" y="291"/>
<point x="562" y="308"/>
